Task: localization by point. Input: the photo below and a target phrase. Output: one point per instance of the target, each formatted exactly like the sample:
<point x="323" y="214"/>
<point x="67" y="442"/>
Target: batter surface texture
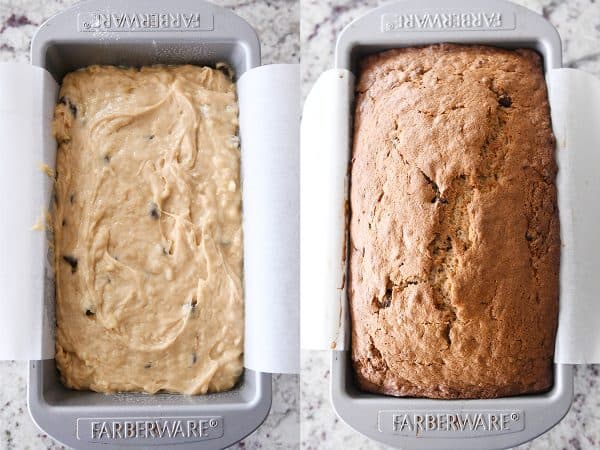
<point x="147" y="225"/>
<point x="454" y="224"/>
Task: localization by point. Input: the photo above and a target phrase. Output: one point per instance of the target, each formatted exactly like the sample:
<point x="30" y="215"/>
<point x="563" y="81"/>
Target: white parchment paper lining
<point x="269" y="98"/>
<point x="325" y="153"/>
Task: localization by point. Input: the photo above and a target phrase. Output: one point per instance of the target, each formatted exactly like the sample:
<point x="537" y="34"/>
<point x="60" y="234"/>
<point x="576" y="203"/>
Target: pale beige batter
<point x="147" y="225"/>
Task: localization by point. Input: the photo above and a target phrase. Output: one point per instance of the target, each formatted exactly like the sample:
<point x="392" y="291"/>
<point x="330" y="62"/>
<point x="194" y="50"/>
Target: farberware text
<point x="447" y="20"/>
<point x="450" y="423"/>
<point x="167" y="429"/>
<point x="144" y="21"/>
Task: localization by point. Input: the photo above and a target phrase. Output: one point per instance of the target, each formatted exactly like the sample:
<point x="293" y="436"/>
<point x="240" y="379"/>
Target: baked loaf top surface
<point x="454" y="226"/>
<point x="147" y="225"/>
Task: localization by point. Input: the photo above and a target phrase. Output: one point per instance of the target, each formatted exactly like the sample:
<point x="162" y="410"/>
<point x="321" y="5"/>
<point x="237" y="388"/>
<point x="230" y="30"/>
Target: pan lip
<point x="63" y="28"/>
<point x="536" y="31"/>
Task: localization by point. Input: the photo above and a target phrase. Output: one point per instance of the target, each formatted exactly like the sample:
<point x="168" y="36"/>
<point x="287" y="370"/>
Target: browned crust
<point x="454" y="228"/>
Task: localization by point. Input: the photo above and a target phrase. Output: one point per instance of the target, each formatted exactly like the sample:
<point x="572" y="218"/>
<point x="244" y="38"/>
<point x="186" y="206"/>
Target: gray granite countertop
<point x="578" y="22"/>
<point x="276" y="23"/>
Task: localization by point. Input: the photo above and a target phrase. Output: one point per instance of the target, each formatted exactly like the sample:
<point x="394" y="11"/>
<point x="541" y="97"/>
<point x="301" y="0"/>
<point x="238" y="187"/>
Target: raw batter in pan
<point x="148" y="235"/>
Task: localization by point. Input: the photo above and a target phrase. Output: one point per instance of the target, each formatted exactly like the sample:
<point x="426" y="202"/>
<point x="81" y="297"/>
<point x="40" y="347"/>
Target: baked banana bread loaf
<point x="454" y="224"/>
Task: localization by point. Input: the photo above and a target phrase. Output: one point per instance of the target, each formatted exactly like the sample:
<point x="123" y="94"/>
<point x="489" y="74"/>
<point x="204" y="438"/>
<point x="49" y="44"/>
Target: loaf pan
<point x="136" y="33"/>
<point x="418" y="423"/>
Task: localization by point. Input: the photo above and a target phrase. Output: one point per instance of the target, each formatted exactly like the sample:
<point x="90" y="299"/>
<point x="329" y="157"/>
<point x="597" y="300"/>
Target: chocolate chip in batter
<point x="150" y="137"/>
<point x="89" y="312"/>
<point x="65" y="101"/>
<point x="64" y="223"/>
<point x="106" y="158"/>
<point x="194" y="302"/>
<point x="72" y="261"/>
<point x="225" y="69"/>
<point x="194" y="358"/>
<point x="72" y="198"/>
<point x="154" y="212"/>
<point x="505" y="101"/>
<point x="147" y="365"/>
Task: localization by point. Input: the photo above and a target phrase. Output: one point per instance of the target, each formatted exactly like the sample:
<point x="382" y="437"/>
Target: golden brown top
<point x="454" y="228"/>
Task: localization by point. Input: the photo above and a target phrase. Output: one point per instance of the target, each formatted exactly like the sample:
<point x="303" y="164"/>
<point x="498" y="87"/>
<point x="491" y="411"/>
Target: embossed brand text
<point x="144" y="21"/>
<point x="165" y="429"/>
<point x="149" y="429"/>
<point x="450" y="423"/>
<point x="447" y="20"/>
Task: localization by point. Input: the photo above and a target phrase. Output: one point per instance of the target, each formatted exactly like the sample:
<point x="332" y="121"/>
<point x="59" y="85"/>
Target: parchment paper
<point x="575" y="104"/>
<point x="269" y="99"/>
<point x="325" y="155"/>
<point x="269" y="129"/>
<point x="27" y="96"/>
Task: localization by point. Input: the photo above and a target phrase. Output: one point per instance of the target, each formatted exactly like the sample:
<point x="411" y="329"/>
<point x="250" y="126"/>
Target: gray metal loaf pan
<point x="136" y="33"/>
<point x="416" y="423"/>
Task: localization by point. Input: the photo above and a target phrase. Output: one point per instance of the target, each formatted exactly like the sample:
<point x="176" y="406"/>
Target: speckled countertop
<point x="578" y="22"/>
<point x="276" y="22"/>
